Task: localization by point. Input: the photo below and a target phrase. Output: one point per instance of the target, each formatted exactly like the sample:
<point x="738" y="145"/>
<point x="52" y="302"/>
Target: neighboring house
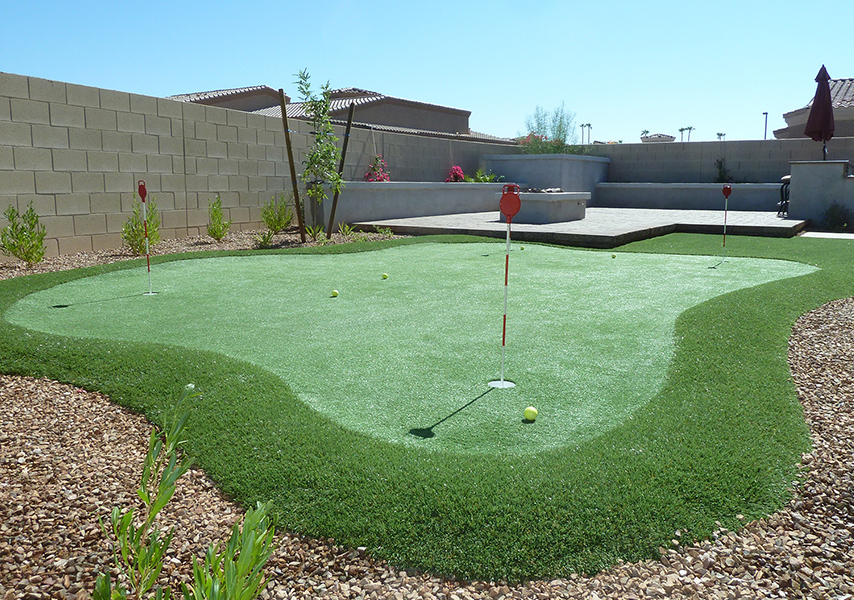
<point x="373" y="110"/>
<point x="842" y="94"/>
<point x="248" y="99"/>
<point x="657" y="138"/>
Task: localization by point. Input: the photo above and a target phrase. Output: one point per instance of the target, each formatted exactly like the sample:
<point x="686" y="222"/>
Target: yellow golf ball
<point x="334" y="293"/>
<point x="385" y="275"/>
<point x="531" y="413"/>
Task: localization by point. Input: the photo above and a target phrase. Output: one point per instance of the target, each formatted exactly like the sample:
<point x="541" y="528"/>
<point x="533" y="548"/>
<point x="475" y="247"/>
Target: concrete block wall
<point x="374" y="201"/>
<point x="753" y="161"/>
<point x="76" y="153"/>
<point x="415" y="158"/>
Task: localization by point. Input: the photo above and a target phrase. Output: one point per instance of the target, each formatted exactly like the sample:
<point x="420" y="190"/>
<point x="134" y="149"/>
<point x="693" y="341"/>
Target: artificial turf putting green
<point x="720" y="439"/>
<point x="407" y="359"/>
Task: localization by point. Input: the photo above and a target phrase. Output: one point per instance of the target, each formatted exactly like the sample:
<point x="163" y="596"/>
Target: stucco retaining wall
<point x="569" y="172"/>
<point x="816" y="185"/>
<point x="374" y="201"/>
<point x="559" y="207"/>
<point x="688" y="196"/>
<point x="752" y="161"/>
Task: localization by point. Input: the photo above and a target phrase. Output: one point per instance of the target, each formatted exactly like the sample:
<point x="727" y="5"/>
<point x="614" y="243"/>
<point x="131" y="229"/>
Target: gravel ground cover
<point x="67" y="456"/>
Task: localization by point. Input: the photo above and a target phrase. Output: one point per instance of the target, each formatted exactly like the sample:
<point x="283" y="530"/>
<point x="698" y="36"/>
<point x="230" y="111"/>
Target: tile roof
<point x="658" y="137"/>
<point x="841" y="93"/>
<point x="352" y="92"/>
<point x="202" y="96"/>
<point x="340" y="100"/>
<point x="276" y="111"/>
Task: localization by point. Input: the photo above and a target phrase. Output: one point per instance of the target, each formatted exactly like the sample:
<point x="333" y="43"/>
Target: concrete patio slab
<point x="601" y="227"/>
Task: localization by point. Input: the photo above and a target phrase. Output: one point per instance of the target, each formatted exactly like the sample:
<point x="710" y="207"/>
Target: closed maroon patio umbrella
<point x="820" y="121"/>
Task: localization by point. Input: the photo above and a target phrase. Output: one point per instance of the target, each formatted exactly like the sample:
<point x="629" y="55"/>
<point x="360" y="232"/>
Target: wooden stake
<point x="291" y="164"/>
<point x="341" y="169"/>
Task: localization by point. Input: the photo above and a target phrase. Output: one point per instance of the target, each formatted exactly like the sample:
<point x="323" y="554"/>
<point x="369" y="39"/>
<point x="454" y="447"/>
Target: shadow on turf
<point x="100" y="301"/>
<point x="427" y="432"/>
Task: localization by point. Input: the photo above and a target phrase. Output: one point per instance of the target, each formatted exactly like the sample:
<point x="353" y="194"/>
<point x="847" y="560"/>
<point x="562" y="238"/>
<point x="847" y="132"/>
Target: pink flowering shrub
<point x="456" y="174"/>
<point x="377" y="170"/>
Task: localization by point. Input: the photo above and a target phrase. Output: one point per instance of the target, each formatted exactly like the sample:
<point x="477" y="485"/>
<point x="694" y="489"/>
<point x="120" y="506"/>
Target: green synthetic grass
<point x="720" y="437"/>
<point x="407" y="359"/>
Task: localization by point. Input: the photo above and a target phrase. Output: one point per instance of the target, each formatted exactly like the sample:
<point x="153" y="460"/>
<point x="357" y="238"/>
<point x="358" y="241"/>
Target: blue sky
<point x="622" y="66"/>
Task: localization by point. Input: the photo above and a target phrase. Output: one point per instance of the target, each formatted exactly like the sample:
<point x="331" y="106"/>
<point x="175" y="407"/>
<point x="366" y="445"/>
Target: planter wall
<point x="552" y="208"/>
<point x="816" y="185"/>
<point x="361" y="201"/>
<point x="569" y="172"/>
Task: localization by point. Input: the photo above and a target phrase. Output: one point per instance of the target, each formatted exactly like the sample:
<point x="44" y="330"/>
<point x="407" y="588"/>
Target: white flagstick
<point x="142" y="194"/>
<point x="727" y="190"/>
<point x="510" y="204"/>
<point x="506" y="281"/>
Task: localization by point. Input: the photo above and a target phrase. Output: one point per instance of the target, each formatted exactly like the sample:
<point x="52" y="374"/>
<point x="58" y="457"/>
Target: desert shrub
<point x="277" y="214"/>
<point x="838" y="218"/>
<point x="483" y="177"/>
<point x="551" y="133"/>
<point x="723" y="176"/>
<point x="217" y="227"/>
<point x="23" y="237"/>
<point x="133" y="229"/>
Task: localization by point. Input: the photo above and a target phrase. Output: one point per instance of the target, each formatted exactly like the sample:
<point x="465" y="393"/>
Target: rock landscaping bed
<point x="67" y="456"/>
<point x="236" y="240"/>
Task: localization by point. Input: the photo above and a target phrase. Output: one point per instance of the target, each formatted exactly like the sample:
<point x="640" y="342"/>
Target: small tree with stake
<point x="322" y="158"/>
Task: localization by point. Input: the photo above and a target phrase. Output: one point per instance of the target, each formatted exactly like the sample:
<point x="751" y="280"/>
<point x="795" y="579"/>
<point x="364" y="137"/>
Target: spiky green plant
<point x="234" y="572"/>
<point x="140" y="549"/>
